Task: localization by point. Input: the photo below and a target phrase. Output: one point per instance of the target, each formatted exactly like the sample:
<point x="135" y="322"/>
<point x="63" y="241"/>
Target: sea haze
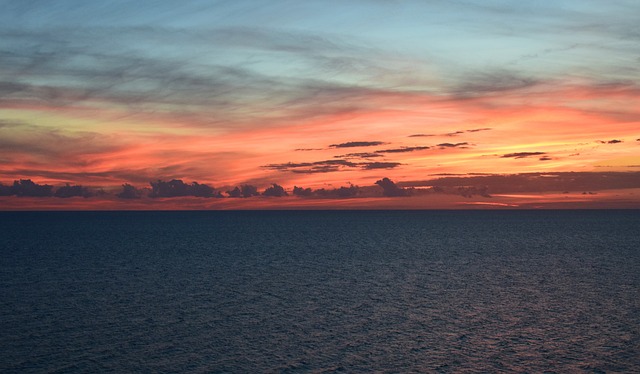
<point x="270" y="291"/>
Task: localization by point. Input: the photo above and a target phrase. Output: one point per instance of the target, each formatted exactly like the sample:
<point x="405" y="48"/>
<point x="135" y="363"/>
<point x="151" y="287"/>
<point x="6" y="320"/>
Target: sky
<point x="319" y="94"/>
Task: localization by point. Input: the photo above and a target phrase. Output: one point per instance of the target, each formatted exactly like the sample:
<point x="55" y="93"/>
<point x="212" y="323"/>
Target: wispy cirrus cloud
<point x="328" y="166"/>
<point x="453" y="145"/>
<point x="522" y="154"/>
<point x="403" y="149"/>
<point x="357" y="144"/>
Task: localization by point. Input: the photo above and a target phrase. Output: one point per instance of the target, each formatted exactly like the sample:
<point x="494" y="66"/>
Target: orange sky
<point x="301" y="105"/>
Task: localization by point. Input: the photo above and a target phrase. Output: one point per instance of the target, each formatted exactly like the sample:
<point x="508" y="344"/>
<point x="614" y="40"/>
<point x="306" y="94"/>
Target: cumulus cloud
<point x="177" y="188"/>
<point x="302" y="192"/>
<point x="72" y="191"/>
<point x="245" y="190"/>
<point x="342" y="192"/>
<point x="129" y="192"/>
<point x="390" y="189"/>
<point x="26" y="187"/>
<point x="275" y="190"/>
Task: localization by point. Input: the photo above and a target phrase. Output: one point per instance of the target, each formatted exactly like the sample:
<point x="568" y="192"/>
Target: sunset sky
<point x="317" y="94"/>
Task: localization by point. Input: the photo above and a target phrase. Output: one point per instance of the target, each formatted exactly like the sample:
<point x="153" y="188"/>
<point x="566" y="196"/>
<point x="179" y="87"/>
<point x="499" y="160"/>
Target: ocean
<point x="320" y="292"/>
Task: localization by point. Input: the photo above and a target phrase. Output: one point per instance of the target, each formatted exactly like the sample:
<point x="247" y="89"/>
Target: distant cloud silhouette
<point x="275" y="190"/>
<point x="390" y="189"/>
<point x="536" y="182"/>
<point x="129" y="192"/>
<point x="302" y="192"/>
<point x="356" y="144"/>
<point x="26" y="187"/>
<point x="342" y="192"/>
<point x="5" y="190"/>
<point x="177" y="188"/>
<point x="545" y="158"/>
<point x="613" y="141"/>
<point x="246" y="190"/>
<point x="72" y="191"/>
<point x="522" y="154"/>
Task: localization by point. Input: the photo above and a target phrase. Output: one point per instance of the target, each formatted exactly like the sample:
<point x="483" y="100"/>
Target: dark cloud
<point x="72" y="191"/>
<point x="403" y="149"/>
<point x="275" y="190"/>
<point x="356" y="144"/>
<point x="613" y="141"/>
<point x="522" y="154"/>
<point x="390" y="189"/>
<point x="481" y="129"/>
<point x="26" y="187"/>
<point x="302" y="192"/>
<point x="177" y="188"/>
<point x="308" y="149"/>
<point x="246" y="190"/>
<point x="453" y="145"/>
<point x="536" y="182"/>
<point x="342" y="192"/>
<point x="129" y="192"/>
<point x="545" y="158"/>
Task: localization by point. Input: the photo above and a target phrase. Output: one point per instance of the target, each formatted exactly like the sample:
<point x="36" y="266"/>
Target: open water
<point x="340" y="291"/>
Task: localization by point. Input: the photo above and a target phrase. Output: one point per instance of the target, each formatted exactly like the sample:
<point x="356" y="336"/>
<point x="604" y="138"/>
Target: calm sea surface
<point x="392" y="291"/>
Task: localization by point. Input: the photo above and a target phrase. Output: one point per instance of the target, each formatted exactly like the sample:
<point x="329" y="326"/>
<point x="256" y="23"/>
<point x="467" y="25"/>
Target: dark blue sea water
<point x="386" y="291"/>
